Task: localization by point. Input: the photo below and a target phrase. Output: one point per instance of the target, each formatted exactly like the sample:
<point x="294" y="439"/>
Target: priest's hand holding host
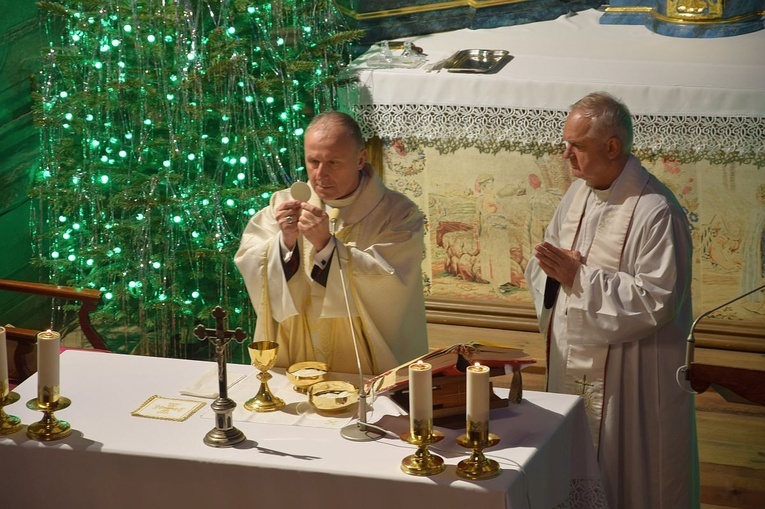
<point x="611" y="286"/>
<point x="291" y="261"/>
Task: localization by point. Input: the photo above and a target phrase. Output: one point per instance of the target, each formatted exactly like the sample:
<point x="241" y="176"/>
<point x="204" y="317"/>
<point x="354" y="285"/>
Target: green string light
<point x="148" y="112"/>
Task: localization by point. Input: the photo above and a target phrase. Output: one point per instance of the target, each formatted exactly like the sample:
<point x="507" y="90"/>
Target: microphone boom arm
<point x="362" y="430"/>
<point x="685" y="370"/>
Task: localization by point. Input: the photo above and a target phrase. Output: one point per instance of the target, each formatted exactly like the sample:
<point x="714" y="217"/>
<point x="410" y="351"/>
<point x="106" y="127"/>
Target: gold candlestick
<point x="49" y="427"/>
<point x="9" y="424"/>
<point x="478" y="466"/>
<point x="422" y="462"/>
<point x="263" y="356"/>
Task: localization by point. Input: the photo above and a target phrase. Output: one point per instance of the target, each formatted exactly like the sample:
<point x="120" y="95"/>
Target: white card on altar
<point x="207" y="386"/>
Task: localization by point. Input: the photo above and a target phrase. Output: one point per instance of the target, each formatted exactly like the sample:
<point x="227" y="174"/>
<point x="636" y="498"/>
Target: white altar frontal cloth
<point x="116" y="460"/>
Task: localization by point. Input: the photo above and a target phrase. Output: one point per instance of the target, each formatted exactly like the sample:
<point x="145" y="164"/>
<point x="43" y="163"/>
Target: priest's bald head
<point x="598" y="137"/>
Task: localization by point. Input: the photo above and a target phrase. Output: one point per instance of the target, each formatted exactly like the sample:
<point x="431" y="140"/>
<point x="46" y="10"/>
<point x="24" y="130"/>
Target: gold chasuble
<point x="378" y="246"/>
<point x="309" y="335"/>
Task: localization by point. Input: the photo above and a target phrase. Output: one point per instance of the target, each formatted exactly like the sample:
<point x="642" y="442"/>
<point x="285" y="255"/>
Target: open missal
<point x="453" y="361"/>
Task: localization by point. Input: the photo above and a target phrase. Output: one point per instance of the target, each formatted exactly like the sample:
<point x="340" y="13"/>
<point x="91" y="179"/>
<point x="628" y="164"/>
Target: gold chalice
<point x="263" y="356"/>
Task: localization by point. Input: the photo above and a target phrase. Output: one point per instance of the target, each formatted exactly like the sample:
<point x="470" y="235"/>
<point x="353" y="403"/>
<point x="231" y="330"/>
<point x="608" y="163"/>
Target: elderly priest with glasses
<point x="611" y="284"/>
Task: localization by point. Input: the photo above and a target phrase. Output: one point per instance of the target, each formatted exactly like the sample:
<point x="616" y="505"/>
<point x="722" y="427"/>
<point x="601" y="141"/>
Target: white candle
<point x="420" y="393"/>
<point x="48" y="351"/>
<point x="477" y="394"/>
<point x="3" y="365"/>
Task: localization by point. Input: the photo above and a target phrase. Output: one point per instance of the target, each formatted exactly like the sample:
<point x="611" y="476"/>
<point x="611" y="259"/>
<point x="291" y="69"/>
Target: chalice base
<point x="264" y="401"/>
<point x="477" y="466"/>
<point x="49" y="427"/>
<point x="422" y="462"/>
<point x="9" y="424"/>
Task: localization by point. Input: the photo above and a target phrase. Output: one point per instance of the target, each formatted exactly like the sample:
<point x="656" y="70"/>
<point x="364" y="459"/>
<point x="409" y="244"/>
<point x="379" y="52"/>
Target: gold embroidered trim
<point x="167" y="409"/>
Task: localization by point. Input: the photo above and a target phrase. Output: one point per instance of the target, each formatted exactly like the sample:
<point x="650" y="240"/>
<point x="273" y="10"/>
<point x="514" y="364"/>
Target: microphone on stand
<point x="684" y="372"/>
<point x="334" y="214"/>
<point x="361" y="431"/>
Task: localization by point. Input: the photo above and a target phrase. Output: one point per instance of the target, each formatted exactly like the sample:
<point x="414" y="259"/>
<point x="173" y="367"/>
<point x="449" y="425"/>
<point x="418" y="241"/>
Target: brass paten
<point x="333" y="397"/>
<point x="302" y="375"/>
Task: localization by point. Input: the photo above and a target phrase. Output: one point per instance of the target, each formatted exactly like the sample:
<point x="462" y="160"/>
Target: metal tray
<point x="479" y="61"/>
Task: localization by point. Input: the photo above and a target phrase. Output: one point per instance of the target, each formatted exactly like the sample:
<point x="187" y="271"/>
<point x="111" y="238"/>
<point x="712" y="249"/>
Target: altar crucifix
<point x="220" y="337"/>
<point x="224" y="434"/>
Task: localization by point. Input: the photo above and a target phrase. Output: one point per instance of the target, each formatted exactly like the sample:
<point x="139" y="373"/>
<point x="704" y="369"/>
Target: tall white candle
<point x="477" y="394"/>
<point x="3" y="365"/>
<point x="48" y="351"/>
<point x="420" y="393"/>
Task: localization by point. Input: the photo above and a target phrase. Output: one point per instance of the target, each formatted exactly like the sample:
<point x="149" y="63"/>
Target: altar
<point x="118" y="460"/>
<point x="480" y="152"/>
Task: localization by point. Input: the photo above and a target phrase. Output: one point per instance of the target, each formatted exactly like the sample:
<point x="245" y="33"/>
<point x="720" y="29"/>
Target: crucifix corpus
<point x="220" y="337"/>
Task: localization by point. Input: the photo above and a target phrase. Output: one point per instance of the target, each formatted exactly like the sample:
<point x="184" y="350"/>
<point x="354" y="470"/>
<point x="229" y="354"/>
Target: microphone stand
<point x="361" y="431"/>
<point x="684" y="372"/>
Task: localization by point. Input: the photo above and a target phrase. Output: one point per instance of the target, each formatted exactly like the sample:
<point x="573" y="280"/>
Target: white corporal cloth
<point x="115" y="460"/>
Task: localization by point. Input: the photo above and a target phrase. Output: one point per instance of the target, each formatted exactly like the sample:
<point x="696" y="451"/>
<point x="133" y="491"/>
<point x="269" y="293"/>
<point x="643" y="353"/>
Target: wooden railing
<point x="26" y="339"/>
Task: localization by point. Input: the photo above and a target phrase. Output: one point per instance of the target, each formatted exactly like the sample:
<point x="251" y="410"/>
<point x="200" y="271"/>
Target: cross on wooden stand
<point x="224" y="434"/>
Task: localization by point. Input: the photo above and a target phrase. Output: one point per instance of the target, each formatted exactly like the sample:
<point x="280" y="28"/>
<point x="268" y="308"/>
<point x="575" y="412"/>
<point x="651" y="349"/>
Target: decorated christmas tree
<point x="165" y="125"/>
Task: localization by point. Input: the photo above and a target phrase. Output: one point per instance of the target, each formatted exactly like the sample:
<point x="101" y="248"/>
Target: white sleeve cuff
<point x="322" y="257"/>
<point x="286" y="253"/>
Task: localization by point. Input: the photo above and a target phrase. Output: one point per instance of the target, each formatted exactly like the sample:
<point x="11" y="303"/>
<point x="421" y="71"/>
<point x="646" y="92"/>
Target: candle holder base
<point x="224" y="437"/>
<point x="477" y="466"/>
<point x="9" y="424"/>
<point x="49" y="427"/>
<point x="422" y="462"/>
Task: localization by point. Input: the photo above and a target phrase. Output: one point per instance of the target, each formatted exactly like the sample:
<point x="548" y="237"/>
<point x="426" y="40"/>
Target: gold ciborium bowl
<point x="263" y="357"/>
<point x="302" y="375"/>
<point x="333" y="397"/>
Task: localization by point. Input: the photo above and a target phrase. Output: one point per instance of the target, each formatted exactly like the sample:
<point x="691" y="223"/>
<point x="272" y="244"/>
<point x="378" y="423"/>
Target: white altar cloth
<point x="650" y="72"/>
<point x="115" y="460"/>
<point x="702" y="95"/>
